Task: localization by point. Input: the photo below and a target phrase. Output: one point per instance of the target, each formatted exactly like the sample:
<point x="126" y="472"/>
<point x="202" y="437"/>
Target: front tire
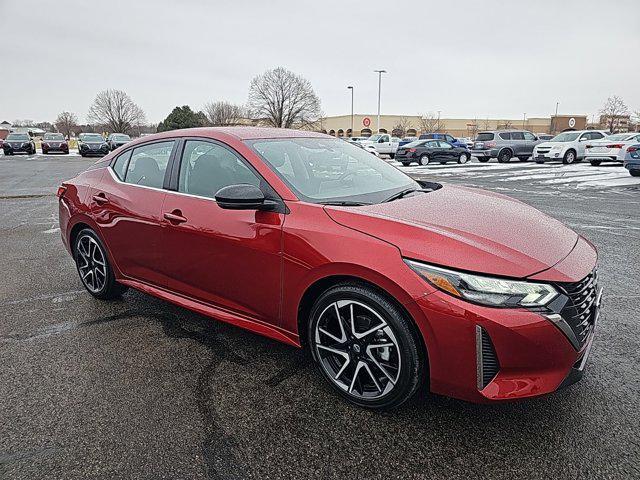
<point x="392" y="156"/>
<point x="405" y="164"/>
<point x="634" y="173"/>
<point x="463" y="158"/>
<point x="94" y="268"/>
<point x="424" y="160"/>
<point x="365" y="347"/>
<point x="569" y="157"/>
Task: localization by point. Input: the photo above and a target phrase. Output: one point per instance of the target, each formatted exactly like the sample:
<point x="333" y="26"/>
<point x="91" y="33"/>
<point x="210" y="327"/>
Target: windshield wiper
<point x="344" y="203"/>
<point x="406" y="192"/>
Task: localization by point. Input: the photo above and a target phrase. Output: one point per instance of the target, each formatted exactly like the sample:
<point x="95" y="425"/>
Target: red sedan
<point x="314" y="242"/>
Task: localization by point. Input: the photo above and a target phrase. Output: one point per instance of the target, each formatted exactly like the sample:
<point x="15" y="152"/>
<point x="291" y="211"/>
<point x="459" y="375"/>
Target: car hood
<point x="466" y="229"/>
<point x="554" y="144"/>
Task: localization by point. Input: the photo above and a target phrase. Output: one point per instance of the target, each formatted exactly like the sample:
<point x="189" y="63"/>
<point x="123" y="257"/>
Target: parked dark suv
<point x="116" y="140"/>
<point x="504" y="145"/>
<point x="19" y="143"/>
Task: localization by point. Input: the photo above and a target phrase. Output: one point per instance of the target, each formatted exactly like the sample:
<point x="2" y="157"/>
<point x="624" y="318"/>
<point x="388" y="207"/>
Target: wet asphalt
<point x="138" y="388"/>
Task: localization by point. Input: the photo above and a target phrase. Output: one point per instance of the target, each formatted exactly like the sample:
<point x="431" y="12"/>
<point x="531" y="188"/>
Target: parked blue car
<point x="406" y="140"/>
<point x="444" y="136"/>
<point x="632" y="160"/>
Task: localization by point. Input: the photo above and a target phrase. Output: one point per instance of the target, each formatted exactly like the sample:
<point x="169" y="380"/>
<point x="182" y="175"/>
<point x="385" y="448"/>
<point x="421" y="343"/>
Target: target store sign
<point x="366" y="121"/>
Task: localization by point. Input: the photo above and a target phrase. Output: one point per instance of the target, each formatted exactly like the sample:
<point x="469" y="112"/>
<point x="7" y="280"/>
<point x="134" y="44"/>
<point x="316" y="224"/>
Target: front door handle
<point x="100" y="199"/>
<point x="175" y="217"/>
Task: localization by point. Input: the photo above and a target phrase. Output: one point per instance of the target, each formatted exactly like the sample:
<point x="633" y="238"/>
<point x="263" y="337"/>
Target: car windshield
<point x="326" y="170"/>
<point x="484" y="137"/>
<point x="22" y="137"/>
<point x="121" y="136"/>
<point x="91" y="137"/>
<point x="566" y="137"/>
<point x="53" y="136"/>
<point x="374" y="138"/>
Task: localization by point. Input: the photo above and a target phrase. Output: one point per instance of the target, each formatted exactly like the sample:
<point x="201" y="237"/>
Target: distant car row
<point x="88" y="143"/>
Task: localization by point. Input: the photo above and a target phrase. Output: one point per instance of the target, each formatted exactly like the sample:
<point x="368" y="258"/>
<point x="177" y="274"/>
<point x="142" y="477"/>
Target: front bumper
<point x="548" y="156"/>
<point x="61" y="148"/>
<point x="90" y="151"/>
<point x="11" y="149"/>
<point x="534" y="356"/>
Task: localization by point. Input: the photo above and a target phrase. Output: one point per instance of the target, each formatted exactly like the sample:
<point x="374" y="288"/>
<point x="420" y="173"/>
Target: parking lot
<point x="138" y="388"/>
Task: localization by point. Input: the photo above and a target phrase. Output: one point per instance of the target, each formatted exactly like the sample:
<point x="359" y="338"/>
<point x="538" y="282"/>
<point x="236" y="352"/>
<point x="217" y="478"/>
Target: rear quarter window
<point x="120" y="165"/>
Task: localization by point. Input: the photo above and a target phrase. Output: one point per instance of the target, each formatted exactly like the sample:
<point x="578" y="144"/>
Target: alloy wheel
<point x="357" y="349"/>
<point x="463" y="158"/>
<point x="91" y="264"/>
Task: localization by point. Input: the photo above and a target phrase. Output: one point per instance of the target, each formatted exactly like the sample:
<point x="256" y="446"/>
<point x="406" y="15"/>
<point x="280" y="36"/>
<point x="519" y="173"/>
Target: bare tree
<point x="401" y="127"/>
<point x="473" y="128"/>
<point x="282" y="99"/>
<point x="429" y="122"/>
<point x="612" y="111"/>
<point x="66" y="122"/>
<point x="486" y="125"/>
<point x="116" y="111"/>
<point x="224" y="113"/>
<point x="505" y="125"/>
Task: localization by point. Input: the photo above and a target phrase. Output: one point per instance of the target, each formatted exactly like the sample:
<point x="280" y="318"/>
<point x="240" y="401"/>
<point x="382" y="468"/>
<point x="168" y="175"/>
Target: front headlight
<point x="494" y="292"/>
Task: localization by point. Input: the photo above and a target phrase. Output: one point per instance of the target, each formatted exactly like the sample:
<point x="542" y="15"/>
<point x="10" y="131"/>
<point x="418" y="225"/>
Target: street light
<point x="379" y="72"/>
<point x="351" y="88"/>
<point x="524" y="120"/>
<point x="555" y="119"/>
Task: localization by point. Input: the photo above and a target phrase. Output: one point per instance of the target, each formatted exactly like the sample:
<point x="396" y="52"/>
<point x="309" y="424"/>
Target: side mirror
<point x="243" y="197"/>
<point x="583" y="139"/>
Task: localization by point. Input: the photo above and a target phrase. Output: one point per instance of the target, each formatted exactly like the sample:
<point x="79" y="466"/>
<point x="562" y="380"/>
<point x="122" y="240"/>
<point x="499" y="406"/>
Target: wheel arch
<point x="321" y="285"/>
<point x="503" y="149"/>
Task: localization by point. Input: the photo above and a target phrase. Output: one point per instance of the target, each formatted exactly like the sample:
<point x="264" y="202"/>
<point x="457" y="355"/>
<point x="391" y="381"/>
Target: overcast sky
<point x="473" y="58"/>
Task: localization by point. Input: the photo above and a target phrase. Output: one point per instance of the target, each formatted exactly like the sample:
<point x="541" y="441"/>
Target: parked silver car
<point x="504" y="145"/>
<point x="610" y="149"/>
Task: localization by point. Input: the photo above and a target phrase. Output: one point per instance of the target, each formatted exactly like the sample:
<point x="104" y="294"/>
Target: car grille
<point x="543" y="150"/>
<point x="580" y="310"/>
<point x="487" y="360"/>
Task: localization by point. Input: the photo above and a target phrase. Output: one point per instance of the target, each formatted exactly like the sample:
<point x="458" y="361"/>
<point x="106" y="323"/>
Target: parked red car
<point x="54" y="142"/>
<point x="312" y="241"/>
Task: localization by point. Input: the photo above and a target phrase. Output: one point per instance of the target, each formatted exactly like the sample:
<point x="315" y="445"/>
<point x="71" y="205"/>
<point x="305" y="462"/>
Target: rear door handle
<point x="175" y="217"/>
<point x="100" y="199"/>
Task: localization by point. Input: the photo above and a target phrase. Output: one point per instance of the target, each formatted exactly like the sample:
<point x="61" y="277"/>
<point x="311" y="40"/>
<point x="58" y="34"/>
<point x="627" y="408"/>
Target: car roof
<point x="239" y="133"/>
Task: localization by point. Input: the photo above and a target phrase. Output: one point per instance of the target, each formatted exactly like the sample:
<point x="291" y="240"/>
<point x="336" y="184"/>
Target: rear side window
<point x="445" y="145"/>
<point x="148" y="164"/>
<point x="596" y="135"/>
<point x="505" y="135"/>
<point x="484" y="137"/>
<point x="120" y="165"/>
<point x="517" y="136"/>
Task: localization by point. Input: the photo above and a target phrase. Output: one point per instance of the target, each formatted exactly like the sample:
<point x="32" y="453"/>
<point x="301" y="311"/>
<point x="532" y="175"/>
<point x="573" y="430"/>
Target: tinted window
<point x="23" y="137"/>
<point x="444" y="145"/>
<point x="596" y="135"/>
<point x="148" y="164"/>
<point x="448" y="138"/>
<point x="53" y="136"/>
<point x="432" y="144"/>
<point x="517" y="136"/>
<point x="484" y="137"/>
<point x="120" y="165"/>
<point x="505" y="135"/>
<point x="529" y="136"/>
<point x="207" y="167"/>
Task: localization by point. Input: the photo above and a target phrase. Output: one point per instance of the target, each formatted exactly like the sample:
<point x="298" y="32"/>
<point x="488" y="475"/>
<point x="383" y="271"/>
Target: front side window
<point x="148" y="164"/>
<point x="596" y="136"/>
<point x="322" y="170"/>
<point x="445" y="145"/>
<point x="529" y="136"/>
<point x="207" y="167"/>
<point x="517" y="136"/>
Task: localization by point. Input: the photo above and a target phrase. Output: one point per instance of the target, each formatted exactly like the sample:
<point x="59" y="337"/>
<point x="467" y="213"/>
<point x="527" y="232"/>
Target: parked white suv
<point x="384" y="143"/>
<point x="566" y="146"/>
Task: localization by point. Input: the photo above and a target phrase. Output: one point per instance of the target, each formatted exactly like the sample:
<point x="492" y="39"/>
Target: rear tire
<point x="424" y="159"/>
<point x="350" y="359"/>
<point x="634" y="173"/>
<point x="595" y="163"/>
<point x="405" y="164"/>
<point x="392" y="156"/>
<point x="94" y="268"/>
<point x="505" y="156"/>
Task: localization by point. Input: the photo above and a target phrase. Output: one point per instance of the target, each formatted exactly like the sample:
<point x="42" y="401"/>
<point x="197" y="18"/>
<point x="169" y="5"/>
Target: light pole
<point x="351" y="88"/>
<point x="438" y="129"/>
<point x="555" y="118"/>
<point x="524" y="120"/>
<point x="379" y="72"/>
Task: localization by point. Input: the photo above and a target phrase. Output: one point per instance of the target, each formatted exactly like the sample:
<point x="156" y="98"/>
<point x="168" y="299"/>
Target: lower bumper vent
<point x="487" y="363"/>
